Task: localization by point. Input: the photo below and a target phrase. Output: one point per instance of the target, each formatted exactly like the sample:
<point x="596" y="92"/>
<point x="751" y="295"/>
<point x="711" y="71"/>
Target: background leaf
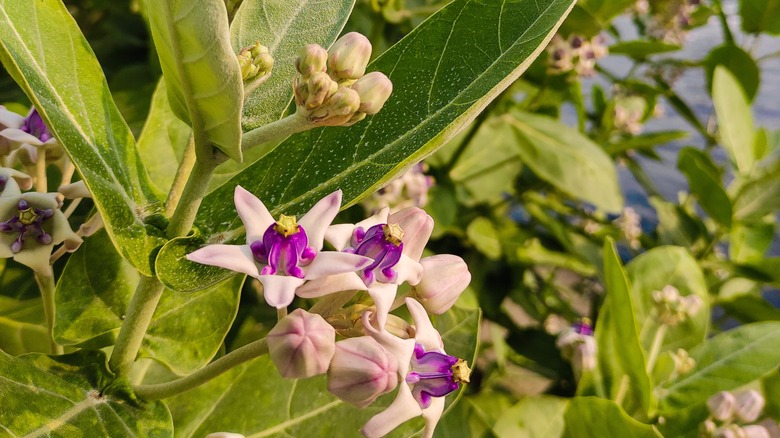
<point x="23" y="326"/>
<point x="760" y="16"/>
<point x="737" y="133"/>
<point x="476" y="62"/>
<point x="705" y="183"/>
<point x="533" y="417"/>
<point x="591" y="417"/>
<point x="201" y="71"/>
<point x="66" y="396"/>
<point x="277" y="25"/>
<point x="45" y="52"/>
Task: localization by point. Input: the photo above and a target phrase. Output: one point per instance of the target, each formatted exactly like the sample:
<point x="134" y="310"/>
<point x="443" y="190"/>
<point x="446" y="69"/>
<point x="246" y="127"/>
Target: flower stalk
<point x="47" y="288"/>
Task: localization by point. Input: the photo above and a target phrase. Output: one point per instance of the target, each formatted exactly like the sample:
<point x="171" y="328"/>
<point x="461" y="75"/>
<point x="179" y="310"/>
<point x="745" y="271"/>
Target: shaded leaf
<point x="590" y="417"/>
<point x="641" y="49"/>
<point x="760" y="16"/>
<point x="533" y="417"/>
<point x="705" y="183"/>
<point x="734" y="119"/>
<point x="23" y="326"/>
<point x="739" y="63"/>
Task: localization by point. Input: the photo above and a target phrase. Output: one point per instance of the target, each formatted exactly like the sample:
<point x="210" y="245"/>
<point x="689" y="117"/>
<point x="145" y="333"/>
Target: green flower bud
<point x="374" y="89"/>
<point x="311" y="60"/>
<point x="345" y="101"/>
<point x="319" y="88"/>
<point x="349" y="56"/>
<point x="255" y="61"/>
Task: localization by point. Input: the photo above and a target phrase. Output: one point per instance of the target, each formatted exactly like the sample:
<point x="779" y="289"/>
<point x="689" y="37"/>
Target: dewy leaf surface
<point x="45" y="52"/>
<point x="254" y="400"/>
<point x="65" y="396"/>
<point x="444" y="73"/>
<point x="201" y="71"/>
<point x="278" y="25"/>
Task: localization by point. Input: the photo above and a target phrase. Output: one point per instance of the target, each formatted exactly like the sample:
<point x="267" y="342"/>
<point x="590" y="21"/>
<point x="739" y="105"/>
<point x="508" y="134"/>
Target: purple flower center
<point x="284" y="246"/>
<point x="33" y="125"/>
<point x="28" y="222"/>
<point x="582" y="328"/>
<point x="382" y="243"/>
<point x="435" y="374"/>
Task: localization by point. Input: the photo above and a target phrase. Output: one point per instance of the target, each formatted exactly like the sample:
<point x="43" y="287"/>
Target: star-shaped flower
<point x="282" y="254"/>
<point x="22" y="137"/>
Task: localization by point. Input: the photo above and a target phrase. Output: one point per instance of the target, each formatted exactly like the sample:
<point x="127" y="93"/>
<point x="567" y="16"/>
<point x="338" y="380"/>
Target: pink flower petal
<point x="425" y="333"/>
<point x="317" y="220"/>
<point x="403" y="409"/>
<point x="339" y="235"/>
<point x="409" y="270"/>
<point x="18" y="137"/>
<point x="328" y="263"/>
<point x="279" y="290"/>
<point x="402" y="349"/>
<point x="383" y="295"/>
<point x="432" y="414"/>
<point x="253" y="214"/>
<point x="328" y="285"/>
<point x="234" y="257"/>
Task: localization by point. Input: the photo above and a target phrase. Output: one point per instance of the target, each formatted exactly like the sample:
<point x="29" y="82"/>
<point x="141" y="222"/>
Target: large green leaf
<point x="735" y="121"/>
<point x="23" y="326"/>
<point x="533" y="417"/>
<point x="201" y="71"/>
<point x="44" y="51"/>
<point x="278" y="25"/>
<point x="760" y="16"/>
<point x="96" y="286"/>
<point x="705" y="183"/>
<point x="70" y="395"/>
<point x="296" y="407"/>
<point x="594" y="417"/>
<point x="566" y="159"/>
<point x="724" y="362"/>
<point x="444" y="73"/>
<point x="621" y="360"/>
<point x="651" y="271"/>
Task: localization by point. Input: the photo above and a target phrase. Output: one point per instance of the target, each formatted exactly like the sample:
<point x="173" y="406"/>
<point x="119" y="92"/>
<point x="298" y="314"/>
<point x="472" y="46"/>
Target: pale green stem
<point x="47" y="287"/>
<point x="203" y="375"/>
<point x="655" y="348"/>
<point x="137" y="319"/>
<point x="622" y="390"/>
<point x="180" y="180"/>
<point x="281" y="313"/>
<point x="197" y="183"/>
<point x="329" y="304"/>
<point x="41" y="184"/>
<point x="266" y="134"/>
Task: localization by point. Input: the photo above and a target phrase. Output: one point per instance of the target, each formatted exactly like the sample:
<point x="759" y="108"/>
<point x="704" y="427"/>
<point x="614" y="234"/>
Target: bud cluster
<point x="673" y="308"/>
<point x="630" y="225"/>
<point x="332" y="87"/>
<point x="666" y="21"/>
<point x="255" y="62"/>
<point x="575" y="53"/>
<point x="736" y="415"/>
<point x="408" y="190"/>
<point x="629" y="113"/>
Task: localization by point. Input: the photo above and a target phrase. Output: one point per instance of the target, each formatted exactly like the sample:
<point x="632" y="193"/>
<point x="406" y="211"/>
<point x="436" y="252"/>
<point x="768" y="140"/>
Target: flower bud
<point x="730" y="431"/>
<point x="749" y="405"/>
<point x="255" y="61"/>
<point x="756" y="431"/>
<point x="345" y="101"/>
<point x="301" y="345"/>
<point x="771" y="426"/>
<point x="361" y="371"/>
<point x="348" y="57"/>
<point x="374" y="90"/>
<point x="311" y="60"/>
<point x="319" y="88"/>
<point x="248" y="69"/>
<point x="721" y="406"/>
<point x="683" y="363"/>
<point x="445" y="277"/>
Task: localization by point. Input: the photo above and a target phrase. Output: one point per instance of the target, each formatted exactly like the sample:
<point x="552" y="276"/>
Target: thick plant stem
<point x="203" y="375"/>
<point x="47" y="287"/>
<point x="655" y="348"/>
<point x="189" y="202"/>
<point x="182" y="174"/>
<point x="137" y="320"/>
<point x="278" y="130"/>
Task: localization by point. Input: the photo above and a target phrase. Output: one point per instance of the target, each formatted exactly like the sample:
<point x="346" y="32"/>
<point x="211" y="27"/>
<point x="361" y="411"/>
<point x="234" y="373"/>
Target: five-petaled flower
<point x="281" y="254"/>
<point x="23" y="137"/>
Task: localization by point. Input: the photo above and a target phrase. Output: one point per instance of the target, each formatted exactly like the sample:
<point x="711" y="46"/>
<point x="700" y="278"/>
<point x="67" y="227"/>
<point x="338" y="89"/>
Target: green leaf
<point x="760" y="16"/>
<point x="23" y="326"/>
<point x="739" y="63"/>
<point x="533" y="417"/>
<point x="651" y="271"/>
<point x="278" y="25"/>
<point x="734" y="119"/>
<point x="621" y="361"/>
<point x="433" y="98"/>
<point x="705" y="183"/>
<point x="484" y="236"/>
<point x="163" y="140"/>
<point x="533" y="253"/>
<point x="646" y="141"/>
<point x="201" y="72"/>
<point x="591" y="417"/>
<point x="758" y="197"/>
<point x="750" y="308"/>
<point x="748" y="243"/>
<point x="45" y="52"/>
<point x="95" y="289"/>
<point x="724" y="362"/>
<point x="641" y="49"/>
<point x="566" y="159"/>
<point x="70" y="395"/>
<point x="297" y="407"/>
<point x="605" y="10"/>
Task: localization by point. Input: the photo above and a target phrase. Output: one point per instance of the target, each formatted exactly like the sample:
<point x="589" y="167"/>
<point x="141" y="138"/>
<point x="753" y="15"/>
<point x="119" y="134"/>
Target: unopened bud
<point x="348" y="57"/>
<point x="445" y="277"/>
<point x="771" y="426"/>
<point x="319" y="88"/>
<point x="255" y="61"/>
<point x="361" y="371"/>
<point x="756" y="431"/>
<point x="345" y="101"/>
<point x="721" y="406"/>
<point x="248" y="69"/>
<point x="683" y="363"/>
<point x="312" y="59"/>
<point x="374" y="90"/>
<point x="749" y="405"/>
<point x="301" y="345"/>
<point x="730" y="431"/>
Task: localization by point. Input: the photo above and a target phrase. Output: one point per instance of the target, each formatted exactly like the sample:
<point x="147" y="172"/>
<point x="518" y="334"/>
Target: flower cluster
<point x="22" y="139"/>
<point x="408" y="190"/>
<point x="736" y="415"/>
<point x="255" y="62"/>
<point x="376" y="255"/>
<point x="576" y="54"/>
<point x="673" y="308"/>
<point x="630" y="225"/>
<point x="666" y="21"/>
<point x="332" y="87"/>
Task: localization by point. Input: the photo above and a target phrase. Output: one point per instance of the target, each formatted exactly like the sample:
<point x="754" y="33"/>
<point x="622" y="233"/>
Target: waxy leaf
<point x="201" y="71"/>
<point x="277" y="25"/>
<point x="705" y="184"/>
<point x="760" y="16"/>
<point x="591" y="417"/>
<point x="444" y="73"/>
<point x="70" y="396"/>
<point x="533" y="417"/>
<point x="95" y="289"/>
<point x="23" y="326"/>
<point x="737" y="132"/>
<point x="45" y="52"/>
<point x="299" y="408"/>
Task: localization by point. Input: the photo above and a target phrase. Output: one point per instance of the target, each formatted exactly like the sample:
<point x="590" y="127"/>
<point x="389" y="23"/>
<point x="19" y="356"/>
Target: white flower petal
<point x="328" y="263"/>
<point x="22" y="180"/>
<point x="331" y="284"/>
<point x="36" y="256"/>
<point x="401" y="349"/>
<point x="339" y="235"/>
<point x="75" y="190"/>
<point x="408" y="270"/>
<point x="383" y="295"/>
<point x="432" y="414"/>
<point x="403" y="409"/>
<point x="253" y="214"/>
<point x="9" y="119"/>
<point x="61" y="232"/>
<point x="279" y="290"/>
<point x="379" y="217"/>
<point x="425" y="334"/>
<point x="234" y="257"/>
<point x="316" y="221"/>
<point x="18" y="137"/>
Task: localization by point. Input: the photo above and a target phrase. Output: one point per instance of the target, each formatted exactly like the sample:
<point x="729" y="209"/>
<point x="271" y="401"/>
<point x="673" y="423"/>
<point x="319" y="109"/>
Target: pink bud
<point x="361" y="371"/>
<point x="311" y="60"/>
<point x="301" y="344"/>
<point x="374" y="90"/>
<point x="445" y="277"/>
<point x="417" y="226"/>
<point x="749" y="405"/>
<point x="349" y="56"/>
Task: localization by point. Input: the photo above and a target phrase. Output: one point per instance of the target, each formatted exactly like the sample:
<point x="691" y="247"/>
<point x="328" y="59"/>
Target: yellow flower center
<point x="286" y="226"/>
<point x="461" y="371"/>
<point x="393" y="233"/>
<point x="27" y="216"/>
